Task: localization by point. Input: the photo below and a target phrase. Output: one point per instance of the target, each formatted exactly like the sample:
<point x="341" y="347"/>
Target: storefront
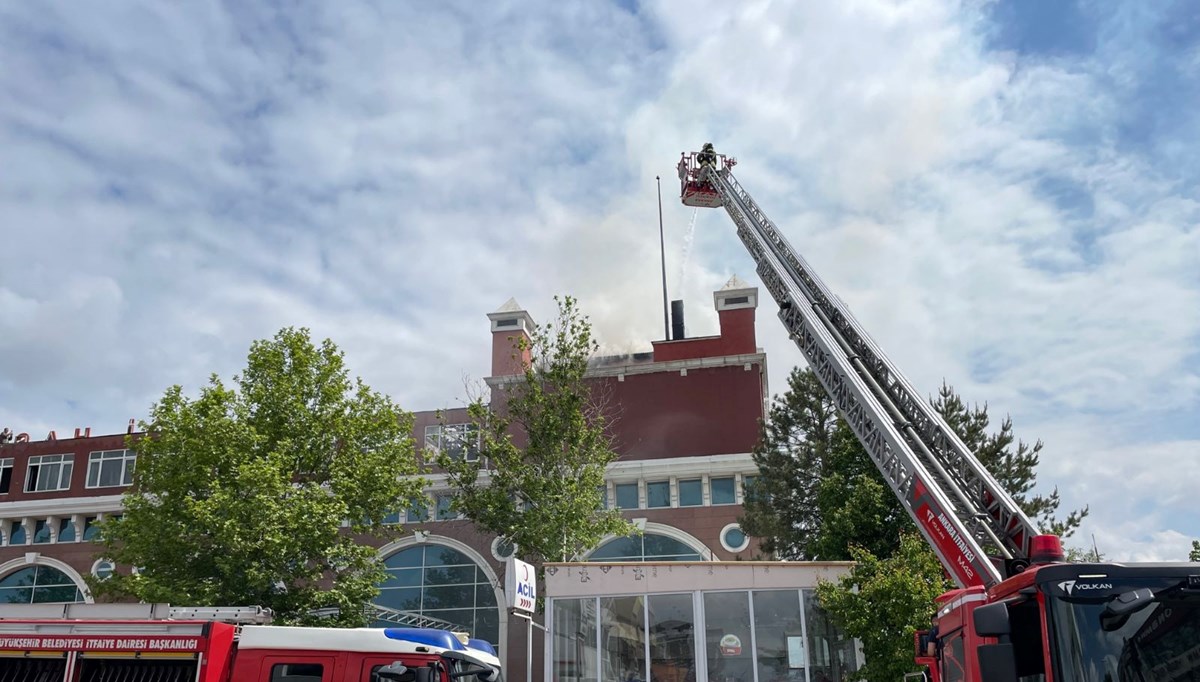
<point x="690" y="622"/>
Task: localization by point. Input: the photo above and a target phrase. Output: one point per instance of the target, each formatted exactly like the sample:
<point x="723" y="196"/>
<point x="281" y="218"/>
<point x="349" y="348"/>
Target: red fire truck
<point x="159" y="643"/>
<point x="1020" y="613"/>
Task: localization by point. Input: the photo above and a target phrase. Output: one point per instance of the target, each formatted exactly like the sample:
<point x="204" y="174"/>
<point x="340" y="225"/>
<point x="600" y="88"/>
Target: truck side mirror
<point x="997" y="662"/>
<point x="395" y="671"/>
<point x="991" y="620"/>
<point x="426" y="673"/>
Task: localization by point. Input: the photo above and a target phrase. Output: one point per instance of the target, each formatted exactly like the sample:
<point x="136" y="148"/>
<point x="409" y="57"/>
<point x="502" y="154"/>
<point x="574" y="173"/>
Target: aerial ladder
<point x="963" y="512"/>
<point x="1019" y="611"/>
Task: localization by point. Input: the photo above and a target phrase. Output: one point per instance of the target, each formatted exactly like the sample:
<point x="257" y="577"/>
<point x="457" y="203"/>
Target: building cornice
<point x="745" y="360"/>
<point x="60" y="506"/>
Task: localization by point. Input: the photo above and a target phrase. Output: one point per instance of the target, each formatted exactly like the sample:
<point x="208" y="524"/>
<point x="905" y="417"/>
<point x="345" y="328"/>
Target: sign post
<point x="520" y="590"/>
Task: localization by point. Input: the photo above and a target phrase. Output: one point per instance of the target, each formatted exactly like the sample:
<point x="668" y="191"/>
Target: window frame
<point x="712" y="498"/>
<point x="699" y="491"/>
<point x="436" y="436"/>
<point x="7" y="466"/>
<point x="617" y="494"/>
<point x="66" y="469"/>
<point x="659" y="484"/>
<point x="97" y="460"/>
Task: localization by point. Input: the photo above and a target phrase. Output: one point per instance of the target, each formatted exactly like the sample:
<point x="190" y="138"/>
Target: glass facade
<point x="735" y="636"/>
<point x="645" y="547"/>
<point x="38" y="585"/>
<point x="442" y="582"/>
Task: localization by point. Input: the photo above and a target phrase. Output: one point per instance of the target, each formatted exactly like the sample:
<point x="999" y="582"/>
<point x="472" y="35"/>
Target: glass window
<point x="91" y="530"/>
<point x="49" y="472"/>
<point x="441" y="582"/>
<point x="38" y="585"/>
<point x="645" y="547"/>
<point x="574" y="646"/>
<point x="727" y="640"/>
<point x="110" y="468"/>
<point x="734" y="539"/>
<point x="691" y="493"/>
<point x="627" y="495"/>
<point x="671" y="627"/>
<point x="748" y="486"/>
<point x="16" y="533"/>
<point x="658" y="494"/>
<point x="444" y="505"/>
<point x="777" y="629"/>
<point x="297" y="672"/>
<point x="41" y="532"/>
<point x="622" y="639"/>
<point x="455" y="440"/>
<point x="604" y="497"/>
<point x="418" y="511"/>
<point x="6" y="468"/>
<point x="66" y="530"/>
<point x="722" y="490"/>
<point x="830" y="652"/>
<point x="104" y="569"/>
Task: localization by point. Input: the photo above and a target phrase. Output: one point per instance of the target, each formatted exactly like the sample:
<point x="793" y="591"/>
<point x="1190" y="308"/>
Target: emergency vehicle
<point x="160" y="643"/>
<point x="1020" y="612"/>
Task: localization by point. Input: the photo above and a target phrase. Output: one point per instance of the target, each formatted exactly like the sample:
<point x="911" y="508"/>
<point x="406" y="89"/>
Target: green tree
<point x="544" y="450"/>
<point x="1011" y="461"/>
<point x="1195" y="554"/>
<point x="241" y="493"/>
<point x="883" y="602"/>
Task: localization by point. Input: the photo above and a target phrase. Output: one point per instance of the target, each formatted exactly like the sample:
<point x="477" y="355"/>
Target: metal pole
<point x="662" y="248"/>
<point x="529" y="650"/>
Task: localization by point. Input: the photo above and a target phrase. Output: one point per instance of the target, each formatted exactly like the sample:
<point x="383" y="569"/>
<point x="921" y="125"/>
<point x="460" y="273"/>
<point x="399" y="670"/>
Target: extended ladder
<point x="957" y="504"/>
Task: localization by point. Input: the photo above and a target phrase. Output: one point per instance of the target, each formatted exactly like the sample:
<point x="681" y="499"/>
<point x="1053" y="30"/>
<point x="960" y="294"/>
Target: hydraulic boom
<point x="962" y="511"/>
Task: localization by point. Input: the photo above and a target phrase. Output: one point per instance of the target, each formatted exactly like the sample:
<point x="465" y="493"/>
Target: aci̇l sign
<point x="520" y="585"/>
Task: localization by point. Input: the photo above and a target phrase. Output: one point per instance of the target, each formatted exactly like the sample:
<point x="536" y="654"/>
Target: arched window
<point x="645" y="547"/>
<point x="38" y="585"/>
<point x="442" y="582"/>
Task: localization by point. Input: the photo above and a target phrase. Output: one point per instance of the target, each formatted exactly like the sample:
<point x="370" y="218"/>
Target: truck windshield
<point x="1157" y="643"/>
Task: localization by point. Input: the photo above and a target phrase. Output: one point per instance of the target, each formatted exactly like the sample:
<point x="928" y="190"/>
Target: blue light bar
<point x="441" y="639"/>
<point x="482" y="645"/>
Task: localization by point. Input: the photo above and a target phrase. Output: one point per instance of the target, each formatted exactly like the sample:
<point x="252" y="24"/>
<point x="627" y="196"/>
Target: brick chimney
<point x="510" y="324"/>
<point x="736" y="302"/>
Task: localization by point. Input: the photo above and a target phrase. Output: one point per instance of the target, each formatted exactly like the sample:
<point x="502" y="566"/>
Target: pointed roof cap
<point x="735" y="282"/>
<point x="510" y="317"/>
<point x="510" y="306"/>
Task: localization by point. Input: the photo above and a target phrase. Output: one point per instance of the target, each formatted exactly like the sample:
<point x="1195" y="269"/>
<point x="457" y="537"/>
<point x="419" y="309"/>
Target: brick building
<point x="685" y="418"/>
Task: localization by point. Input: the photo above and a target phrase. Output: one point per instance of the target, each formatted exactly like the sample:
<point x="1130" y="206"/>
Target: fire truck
<point x="161" y="643"/>
<point x="1019" y="611"/>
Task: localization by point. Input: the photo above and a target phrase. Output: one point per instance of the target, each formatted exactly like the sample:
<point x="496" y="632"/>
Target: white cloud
<point x="180" y="181"/>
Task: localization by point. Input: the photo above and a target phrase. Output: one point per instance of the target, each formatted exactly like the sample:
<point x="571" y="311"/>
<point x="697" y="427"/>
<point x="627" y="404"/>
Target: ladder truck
<point x="162" y="643"/>
<point x="1019" y="612"/>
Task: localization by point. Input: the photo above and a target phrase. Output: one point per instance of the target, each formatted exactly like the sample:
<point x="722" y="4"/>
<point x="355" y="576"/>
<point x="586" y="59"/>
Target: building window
<point x="658" y="494"/>
<point x="38" y="585"/>
<point x="103" y="569"/>
<point x="748" y="483"/>
<point x="622" y="657"/>
<point x="455" y="440"/>
<point x="49" y="472"/>
<point x="723" y="490"/>
<point x="66" y="530"/>
<point x="16" y="533"/>
<point x="6" y="468"/>
<point x="418" y="511"/>
<point x="91" y="528"/>
<point x="733" y="538"/>
<point x="444" y="506"/>
<point x="41" y="532"/>
<point x="111" y="468"/>
<point x="645" y="547"/>
<point x="672" y="628"/>
<point x="691" y="493"/>
<point x="441" y="582"/>
<point x="603" y="497"/>
<point x="503" y="548"/>
<point x="627" y="495"/>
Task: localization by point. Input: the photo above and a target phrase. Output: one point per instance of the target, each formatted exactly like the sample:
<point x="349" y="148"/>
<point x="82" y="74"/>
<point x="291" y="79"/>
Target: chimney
<point x="510" y="325"/>
<point x="736" y="302"/>
<point x="677" y="329"/>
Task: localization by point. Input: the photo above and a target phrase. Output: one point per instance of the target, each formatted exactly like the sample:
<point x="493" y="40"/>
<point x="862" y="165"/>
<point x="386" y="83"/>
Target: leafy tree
<point x="883" y="602"/>
<point x="1195" y="554"/>
<point x="240" y="494"/>
<point x="544" y="450"/>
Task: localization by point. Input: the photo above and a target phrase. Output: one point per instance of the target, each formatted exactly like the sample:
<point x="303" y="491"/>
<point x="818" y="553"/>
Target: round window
<point x="502" y="549"/>
<point x="103" y="569"/>
<point x="733" y="538"/>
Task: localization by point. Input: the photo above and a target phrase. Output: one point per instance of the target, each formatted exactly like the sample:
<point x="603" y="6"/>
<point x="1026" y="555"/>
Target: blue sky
<point x="1003" y="192"/>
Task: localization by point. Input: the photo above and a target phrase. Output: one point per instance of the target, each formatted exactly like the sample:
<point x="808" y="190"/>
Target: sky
<point x="1004" y="193"/>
